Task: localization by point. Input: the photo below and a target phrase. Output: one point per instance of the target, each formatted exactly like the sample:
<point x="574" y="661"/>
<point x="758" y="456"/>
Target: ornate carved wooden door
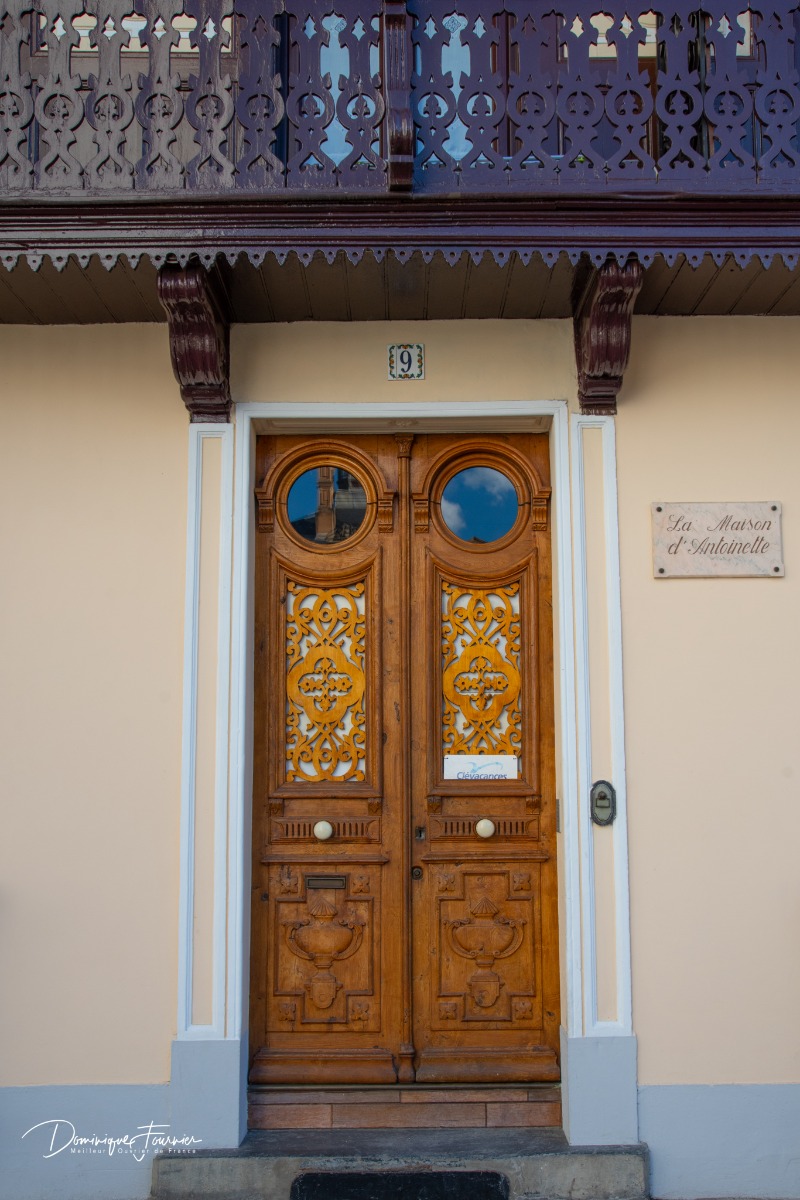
<point x="404" y="894"/>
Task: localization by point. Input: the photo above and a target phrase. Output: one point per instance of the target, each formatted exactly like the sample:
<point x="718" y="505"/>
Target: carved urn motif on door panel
<point x="321" y="940"/>
<point x="327" y="958"/>
<point x="485" y="936"/>
<point x="486" y="951"/>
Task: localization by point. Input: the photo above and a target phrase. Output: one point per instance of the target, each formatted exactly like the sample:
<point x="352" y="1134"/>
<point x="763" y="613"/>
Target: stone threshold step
<point x="536" y="1163"/>
<point x="405" y="1107"/>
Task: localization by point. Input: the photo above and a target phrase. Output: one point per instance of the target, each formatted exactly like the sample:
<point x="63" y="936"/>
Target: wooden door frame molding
<point x="586" y="1039"/>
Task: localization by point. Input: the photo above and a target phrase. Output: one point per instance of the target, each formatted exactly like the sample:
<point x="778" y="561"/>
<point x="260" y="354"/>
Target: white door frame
<point x="598" y="1057"/>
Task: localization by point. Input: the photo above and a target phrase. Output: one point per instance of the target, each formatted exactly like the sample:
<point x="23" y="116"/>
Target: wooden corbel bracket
<point x="602" y="324"/>
<point x="199" y="339"/>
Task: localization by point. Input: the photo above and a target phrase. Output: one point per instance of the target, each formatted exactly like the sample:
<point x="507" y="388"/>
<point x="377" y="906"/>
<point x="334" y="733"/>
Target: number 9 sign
<point x="407" y="361"/>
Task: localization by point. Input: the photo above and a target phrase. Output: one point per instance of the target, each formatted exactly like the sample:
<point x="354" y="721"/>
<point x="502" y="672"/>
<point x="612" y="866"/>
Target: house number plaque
<point x="407" y="361"/>
<point x="735" y="538"/>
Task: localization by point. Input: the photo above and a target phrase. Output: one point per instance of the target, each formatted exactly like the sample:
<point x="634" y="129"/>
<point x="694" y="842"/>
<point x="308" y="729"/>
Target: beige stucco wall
<point x="710" y="411"/>
<point x="93" y="482"/>
<point x="345" y="364"/>
<point x="93" y="511"/>
<point x="707" y="412"/>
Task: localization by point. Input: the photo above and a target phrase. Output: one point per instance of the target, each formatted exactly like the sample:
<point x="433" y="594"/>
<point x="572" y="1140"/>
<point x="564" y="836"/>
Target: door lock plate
<point x="603" y="802"/>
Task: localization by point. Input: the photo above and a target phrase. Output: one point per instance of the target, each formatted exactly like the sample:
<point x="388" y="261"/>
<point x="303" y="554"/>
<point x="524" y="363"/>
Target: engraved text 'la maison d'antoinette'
<point x="717" y="539"/>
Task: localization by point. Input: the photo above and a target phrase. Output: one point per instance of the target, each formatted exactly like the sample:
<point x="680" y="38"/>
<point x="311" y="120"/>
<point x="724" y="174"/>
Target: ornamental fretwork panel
<point x="208" y="97"/>
<point x="325" y="683"/>
<point x="481" y="681"/>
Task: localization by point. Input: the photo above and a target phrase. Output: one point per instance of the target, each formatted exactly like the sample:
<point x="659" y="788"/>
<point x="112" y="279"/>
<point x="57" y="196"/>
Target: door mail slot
<point x="326" y="881"/>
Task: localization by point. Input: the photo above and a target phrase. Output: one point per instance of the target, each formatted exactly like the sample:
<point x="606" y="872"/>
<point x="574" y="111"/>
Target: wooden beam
<point x="596" y="227"/>
<point x="199" y="340"/>
<point x="602" y="324"/>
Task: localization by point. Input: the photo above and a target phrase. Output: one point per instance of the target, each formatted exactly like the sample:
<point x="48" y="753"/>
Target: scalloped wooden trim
<point x="596" y="228"/>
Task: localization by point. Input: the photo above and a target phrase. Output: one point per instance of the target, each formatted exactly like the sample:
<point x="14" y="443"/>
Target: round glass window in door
<point x="326" y="505"/>
<point x="479" y="505"/>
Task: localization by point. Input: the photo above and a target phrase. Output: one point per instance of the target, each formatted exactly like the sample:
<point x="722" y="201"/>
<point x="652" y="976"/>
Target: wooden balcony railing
<point x="107" y="99"/>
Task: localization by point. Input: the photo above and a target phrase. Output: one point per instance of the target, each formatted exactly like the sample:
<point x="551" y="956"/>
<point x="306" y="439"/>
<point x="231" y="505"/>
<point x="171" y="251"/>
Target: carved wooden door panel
<point x="484" y="895"/>
<point x="329" y="867"/>
<point x="391" y="942"/>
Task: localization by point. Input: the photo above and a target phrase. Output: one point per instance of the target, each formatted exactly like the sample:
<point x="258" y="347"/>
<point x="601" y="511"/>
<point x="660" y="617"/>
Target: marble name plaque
<point x="717" y="539"/>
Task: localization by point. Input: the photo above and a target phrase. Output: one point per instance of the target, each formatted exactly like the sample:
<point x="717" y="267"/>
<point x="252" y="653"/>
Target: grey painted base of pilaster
<point x="205" y="1104"/>
<point x="46" y="1162"/>
<point x="599" y="1090"/>
<point x="207" y="1093"/>
<point x="728" y="1140"/>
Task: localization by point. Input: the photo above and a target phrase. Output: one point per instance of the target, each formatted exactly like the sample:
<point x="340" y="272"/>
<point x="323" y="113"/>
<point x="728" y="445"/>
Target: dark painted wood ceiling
<point x="390" y="290"/>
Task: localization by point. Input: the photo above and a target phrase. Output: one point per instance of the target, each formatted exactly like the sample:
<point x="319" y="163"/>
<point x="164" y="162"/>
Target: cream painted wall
<point x="709" y="411"/>
<point x="93" y="486"/>
<point x="93" y="510"/>
<point x="466" y="360"/>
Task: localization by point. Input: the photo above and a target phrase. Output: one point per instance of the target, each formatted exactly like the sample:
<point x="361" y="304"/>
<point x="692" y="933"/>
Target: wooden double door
<point x="404" y="889"/>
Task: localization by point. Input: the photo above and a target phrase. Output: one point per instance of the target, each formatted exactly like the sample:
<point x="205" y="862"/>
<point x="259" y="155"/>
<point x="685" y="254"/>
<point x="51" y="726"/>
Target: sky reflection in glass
<point x="479" y="504"/>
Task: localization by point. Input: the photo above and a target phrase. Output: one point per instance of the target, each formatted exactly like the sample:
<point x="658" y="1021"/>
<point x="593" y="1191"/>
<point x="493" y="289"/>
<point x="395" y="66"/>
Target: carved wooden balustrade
<point x="105" y="99"/>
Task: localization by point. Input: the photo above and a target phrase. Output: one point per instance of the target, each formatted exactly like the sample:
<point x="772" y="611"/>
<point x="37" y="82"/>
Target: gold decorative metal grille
<point x="481" y="672"/>
<point x="325" y="682"/>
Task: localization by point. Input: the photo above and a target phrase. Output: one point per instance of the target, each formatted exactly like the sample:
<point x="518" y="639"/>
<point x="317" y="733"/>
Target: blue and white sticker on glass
<point x="481" y="767"/>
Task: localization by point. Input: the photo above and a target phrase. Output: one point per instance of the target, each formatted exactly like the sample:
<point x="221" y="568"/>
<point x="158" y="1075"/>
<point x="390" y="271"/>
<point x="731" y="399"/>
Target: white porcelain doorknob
<point x="323" y="830"/>
<point x="485" y="828"/>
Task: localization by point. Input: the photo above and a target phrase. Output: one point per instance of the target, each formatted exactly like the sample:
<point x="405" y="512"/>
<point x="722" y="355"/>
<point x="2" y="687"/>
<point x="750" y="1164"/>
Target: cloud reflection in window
<point x="479" y="504"/>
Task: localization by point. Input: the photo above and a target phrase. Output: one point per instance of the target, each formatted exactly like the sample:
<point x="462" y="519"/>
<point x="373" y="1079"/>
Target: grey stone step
<point x="538" y="1164"/>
